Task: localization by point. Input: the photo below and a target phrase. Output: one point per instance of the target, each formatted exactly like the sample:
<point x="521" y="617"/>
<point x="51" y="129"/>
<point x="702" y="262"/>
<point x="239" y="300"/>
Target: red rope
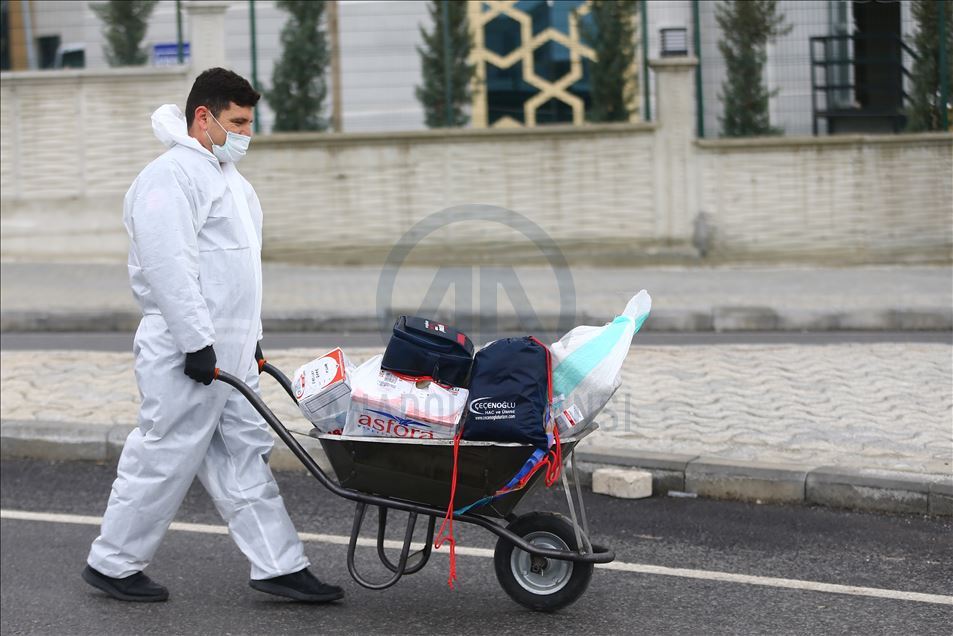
<point x="448" y="519"/>
<point x="419" y="378"/>
<point x="552" y="473"/>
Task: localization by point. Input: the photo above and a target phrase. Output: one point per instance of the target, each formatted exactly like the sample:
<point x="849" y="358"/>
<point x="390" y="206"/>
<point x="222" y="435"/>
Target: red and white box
<point x="323" y="390"/>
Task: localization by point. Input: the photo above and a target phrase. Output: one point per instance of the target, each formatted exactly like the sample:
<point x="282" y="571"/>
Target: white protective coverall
<point x="195" y="268"/>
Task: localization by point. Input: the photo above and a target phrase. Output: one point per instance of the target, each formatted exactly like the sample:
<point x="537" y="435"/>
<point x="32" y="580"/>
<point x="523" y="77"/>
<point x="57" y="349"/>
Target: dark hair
<point x="215" y="89"/>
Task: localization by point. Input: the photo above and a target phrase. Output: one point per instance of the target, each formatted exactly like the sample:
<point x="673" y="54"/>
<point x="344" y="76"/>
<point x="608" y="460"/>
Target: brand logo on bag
<point x="492" y="408"/>
<point x="475" y="289"/>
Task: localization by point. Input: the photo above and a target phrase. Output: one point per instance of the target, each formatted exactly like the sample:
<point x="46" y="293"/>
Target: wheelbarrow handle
<point x="281" y="378"/>
<point x="272" y="420"/>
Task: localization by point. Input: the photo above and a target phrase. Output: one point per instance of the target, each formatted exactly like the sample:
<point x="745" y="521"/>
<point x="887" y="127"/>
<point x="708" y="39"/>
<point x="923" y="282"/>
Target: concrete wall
<point x="71" y="142"/>
<point x="839" y="200"/>
<point x="590" y="189"/>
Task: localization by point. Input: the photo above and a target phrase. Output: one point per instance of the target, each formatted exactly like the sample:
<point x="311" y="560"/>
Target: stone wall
<point x="843" y="199"/>
<point x="71" y="143"/>
<point x="350" y="197"/>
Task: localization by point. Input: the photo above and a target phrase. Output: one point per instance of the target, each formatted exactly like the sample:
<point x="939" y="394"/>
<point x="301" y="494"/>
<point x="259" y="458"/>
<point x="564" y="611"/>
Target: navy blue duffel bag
<point x="425" y="348"/>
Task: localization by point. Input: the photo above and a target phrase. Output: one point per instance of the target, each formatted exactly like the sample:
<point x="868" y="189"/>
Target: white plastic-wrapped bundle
<point x="385" y="404"/>
<point x="587" y="365"/>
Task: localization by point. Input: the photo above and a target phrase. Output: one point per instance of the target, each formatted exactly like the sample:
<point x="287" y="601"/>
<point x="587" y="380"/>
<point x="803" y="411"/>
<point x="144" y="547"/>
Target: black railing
<point x="859" y="76"/>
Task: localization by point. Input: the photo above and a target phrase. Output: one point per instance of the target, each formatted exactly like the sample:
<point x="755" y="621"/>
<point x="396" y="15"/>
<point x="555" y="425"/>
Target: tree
<point x="4" y="41"/>
<point x="435" y="61"/>
<point x="612" y="38"/>
<point x="925" y="107"/>
<point x="746" y="28"/>
<point x="299" y="85"/>
<point x="124" y="25"/>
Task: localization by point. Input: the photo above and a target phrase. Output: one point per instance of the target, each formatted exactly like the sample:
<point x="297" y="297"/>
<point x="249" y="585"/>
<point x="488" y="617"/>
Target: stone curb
<point x="711" y="477"/>
<point x="718" y="319"/>
<point x="832" y="486"/>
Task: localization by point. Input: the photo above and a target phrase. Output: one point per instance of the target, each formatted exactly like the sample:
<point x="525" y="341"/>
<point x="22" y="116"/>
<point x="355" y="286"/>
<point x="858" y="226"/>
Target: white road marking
<point x="619" y="566"/>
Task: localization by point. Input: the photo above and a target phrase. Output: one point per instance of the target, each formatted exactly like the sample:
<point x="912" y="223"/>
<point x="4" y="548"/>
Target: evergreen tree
<point x="746" y="28"/>
<point x="433" y="93"/>
<point x="299" y="86"/>
<point x="124" y="25"/>
<point x="925" y="107"/>
<point x="612" y="38"/>
<point x="4" y="41"/>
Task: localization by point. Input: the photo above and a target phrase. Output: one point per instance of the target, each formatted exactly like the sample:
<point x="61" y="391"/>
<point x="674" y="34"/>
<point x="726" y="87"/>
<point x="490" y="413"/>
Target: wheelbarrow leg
<point x="422" y="555"/>
<point x="401" y="567"/>
<point x="582" y="538"/>
<point x="582" y="503"/>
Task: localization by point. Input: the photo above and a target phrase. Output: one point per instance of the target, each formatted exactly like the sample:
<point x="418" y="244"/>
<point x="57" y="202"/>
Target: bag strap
<point x="555" y="448"/>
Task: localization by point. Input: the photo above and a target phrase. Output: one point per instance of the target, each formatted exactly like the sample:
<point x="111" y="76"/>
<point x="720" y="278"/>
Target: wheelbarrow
<point x="543" y="560"/>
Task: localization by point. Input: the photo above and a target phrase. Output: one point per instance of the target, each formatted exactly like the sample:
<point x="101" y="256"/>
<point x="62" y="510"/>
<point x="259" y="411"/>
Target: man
<point x="194" y="225"/>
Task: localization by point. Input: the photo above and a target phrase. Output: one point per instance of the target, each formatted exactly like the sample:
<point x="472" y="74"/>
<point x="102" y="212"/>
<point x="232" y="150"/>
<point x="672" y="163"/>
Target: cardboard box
<point x="323" y="390"/>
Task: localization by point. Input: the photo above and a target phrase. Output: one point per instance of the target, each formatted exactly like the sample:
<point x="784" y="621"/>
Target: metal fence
<point x="844" y="66"/>
<point x="68" y="34"/>
<point x="378" y="49"/>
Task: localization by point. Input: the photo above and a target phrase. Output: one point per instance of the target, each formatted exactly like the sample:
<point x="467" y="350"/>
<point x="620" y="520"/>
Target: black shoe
<point x="136" y="587"/>
<point x="301" y="586"/>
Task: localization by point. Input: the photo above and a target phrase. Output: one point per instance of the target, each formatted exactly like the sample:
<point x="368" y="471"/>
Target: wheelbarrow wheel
<point x="540" y="583"/>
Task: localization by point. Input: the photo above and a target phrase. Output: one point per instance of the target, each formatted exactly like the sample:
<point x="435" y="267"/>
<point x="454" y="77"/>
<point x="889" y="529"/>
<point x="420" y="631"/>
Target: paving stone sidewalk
<point x="77" y="297"/>
<point x="860" y="425"/>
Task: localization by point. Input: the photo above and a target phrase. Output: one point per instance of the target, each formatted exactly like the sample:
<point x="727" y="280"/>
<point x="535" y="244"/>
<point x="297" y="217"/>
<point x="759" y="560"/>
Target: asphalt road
<point x="94" y="341"/>
<point x="41" y="591"/>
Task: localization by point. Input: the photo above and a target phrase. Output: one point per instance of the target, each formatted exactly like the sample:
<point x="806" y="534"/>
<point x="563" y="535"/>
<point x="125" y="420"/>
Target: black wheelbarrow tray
<point x="543" y="560"/>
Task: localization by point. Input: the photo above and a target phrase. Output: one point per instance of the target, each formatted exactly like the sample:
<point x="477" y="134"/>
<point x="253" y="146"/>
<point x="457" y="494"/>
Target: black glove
<point x="200" y="365"/>
<point x="259" y="357"/>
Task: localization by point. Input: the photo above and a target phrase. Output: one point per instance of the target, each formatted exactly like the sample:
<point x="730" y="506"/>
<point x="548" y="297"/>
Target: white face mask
<point x="235" y="146"/>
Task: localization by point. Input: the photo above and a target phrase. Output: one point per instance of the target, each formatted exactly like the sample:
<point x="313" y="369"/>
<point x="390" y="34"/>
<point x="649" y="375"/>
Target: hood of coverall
<point x="168" y="124"/>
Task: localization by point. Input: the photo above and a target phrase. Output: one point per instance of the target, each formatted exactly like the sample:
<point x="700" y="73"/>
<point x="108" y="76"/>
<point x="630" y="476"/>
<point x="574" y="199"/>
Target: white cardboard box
<point x="323" y="390"/>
